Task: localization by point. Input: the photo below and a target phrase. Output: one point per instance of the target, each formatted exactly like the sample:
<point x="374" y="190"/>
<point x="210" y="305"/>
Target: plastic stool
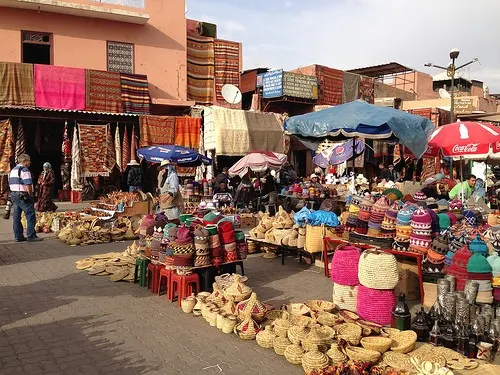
<point x="154" y="276"/>
<point x="183" y="285"/>
<point x="167" y="276"/>
<point x="141" y="271"/>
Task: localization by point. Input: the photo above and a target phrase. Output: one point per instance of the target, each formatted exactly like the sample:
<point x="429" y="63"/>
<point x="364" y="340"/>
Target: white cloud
<point x="355" y="33"/>
<point x="288" y="4"/>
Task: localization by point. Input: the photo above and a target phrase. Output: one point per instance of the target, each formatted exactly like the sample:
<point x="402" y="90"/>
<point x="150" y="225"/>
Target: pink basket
<point x="375" y="305"/>
<point x="344" y="267"/>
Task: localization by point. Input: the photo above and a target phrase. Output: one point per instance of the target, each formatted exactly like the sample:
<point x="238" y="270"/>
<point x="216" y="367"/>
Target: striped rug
<point x="227" y="66"/>
<point x="330" y="83"/>
<point x="135" y="93"/>
<point x="103" y="91"/>
<point x="200" y="69"/>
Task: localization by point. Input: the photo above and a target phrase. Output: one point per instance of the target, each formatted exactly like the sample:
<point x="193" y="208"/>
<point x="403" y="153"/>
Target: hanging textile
<point x="6" y="146"/>
<point x="380" y="148"/>
<point x="103" y="91"/>
<point x="66" y="144"/>
<point x="110" y="149"/>
<point x="125" y="150"/>
<point x="118" y="148"/>
<point x="93" y="149"/>
<point x="227" y="66"/>
<point x="157" y="130"/>
<point x="187" y="132"/>
<point x="396" y="156"/>
<point x="16" y="84"/>
<point x="200" y="69"/>
<point x="330" y="82"/>
<point x="20" y="140"/>
<point x="367" y="89"/>
<point x="76" y="166"/>
<point x="350" y="87"/>
<point x="428" y="168"/>
<point x="59" y="87"/>
<point x="135" y="93"/>
<point x="133" y="145"/>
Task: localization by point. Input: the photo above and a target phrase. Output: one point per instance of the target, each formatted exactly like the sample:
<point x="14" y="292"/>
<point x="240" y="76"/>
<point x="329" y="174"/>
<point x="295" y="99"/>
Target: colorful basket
<point x="375" y="305"/>
<point x="378" y="270"/>
<point x="344" y="266"/>
<point x="345" y="297"/>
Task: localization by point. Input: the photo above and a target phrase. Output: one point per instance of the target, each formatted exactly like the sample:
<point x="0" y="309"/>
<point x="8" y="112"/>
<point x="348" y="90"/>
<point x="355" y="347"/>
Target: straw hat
<point x="133" y="162"/>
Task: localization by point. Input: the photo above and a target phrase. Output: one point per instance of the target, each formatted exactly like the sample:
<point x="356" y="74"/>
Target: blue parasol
<point x="176" y="154"/>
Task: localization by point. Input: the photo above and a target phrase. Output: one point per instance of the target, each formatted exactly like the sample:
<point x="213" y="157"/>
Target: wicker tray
<point x="383" y="243"/>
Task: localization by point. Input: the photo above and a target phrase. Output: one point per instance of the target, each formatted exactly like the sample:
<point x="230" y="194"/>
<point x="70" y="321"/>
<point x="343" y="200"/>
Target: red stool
<point x="183" y="285"/>
<point x="154" y="276"/>
<point x="165" y="275"/>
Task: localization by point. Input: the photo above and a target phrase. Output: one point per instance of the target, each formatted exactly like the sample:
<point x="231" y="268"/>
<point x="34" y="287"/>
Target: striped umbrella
<point x="125" y="150"/>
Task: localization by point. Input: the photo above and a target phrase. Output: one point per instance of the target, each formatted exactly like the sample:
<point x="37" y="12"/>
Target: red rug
<point x="93" y="150"/>
<point x="157" y="130"/>
<point x="367" y="89"/>
<point x="330" y="82"/>
<point x="200" y="69"/>
<point x="103" y="91"/>
<point x="227" y="66"/>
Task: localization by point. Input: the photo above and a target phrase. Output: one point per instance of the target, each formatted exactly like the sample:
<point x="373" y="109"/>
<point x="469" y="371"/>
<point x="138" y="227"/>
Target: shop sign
<point x="463" y="106"/>
<point x="272" y="84"/>
<point x="300" y="85"/>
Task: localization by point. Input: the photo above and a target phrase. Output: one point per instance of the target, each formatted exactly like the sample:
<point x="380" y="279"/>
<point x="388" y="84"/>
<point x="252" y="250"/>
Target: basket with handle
<point x="314" y="237"/>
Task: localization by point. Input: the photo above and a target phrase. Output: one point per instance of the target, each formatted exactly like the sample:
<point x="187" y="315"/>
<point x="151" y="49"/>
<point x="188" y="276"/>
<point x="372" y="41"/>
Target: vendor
<point x="222" y="188"/>
<point x="431" y="190"/>
<point x="223" y="177"/>
<point x="467" y="187"/>
<point x="388" y="174"/>
<point x="315" y="183"/>
<point x="168" y="187"/>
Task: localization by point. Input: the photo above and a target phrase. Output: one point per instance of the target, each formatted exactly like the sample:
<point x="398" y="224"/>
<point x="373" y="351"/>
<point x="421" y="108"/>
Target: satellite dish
<point x="443" y="94"/>
<point x="231" y="94"/>
<point x="185" y="9"/>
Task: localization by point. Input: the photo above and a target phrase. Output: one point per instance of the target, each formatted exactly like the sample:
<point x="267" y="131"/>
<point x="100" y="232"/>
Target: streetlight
<point x="451" y="70"/>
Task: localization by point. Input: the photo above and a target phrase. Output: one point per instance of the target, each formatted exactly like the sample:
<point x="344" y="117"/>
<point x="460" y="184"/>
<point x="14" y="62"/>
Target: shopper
<point x="168" y="186"/>
<point x="466" y="188"/>
<point x="431" y="190"/>
<point x="222" y="177"/>
<point x="46" y="182"/>
<point x="134" y="177"/>
<point x="315" y="183"/>
<point x="21" y="187"/>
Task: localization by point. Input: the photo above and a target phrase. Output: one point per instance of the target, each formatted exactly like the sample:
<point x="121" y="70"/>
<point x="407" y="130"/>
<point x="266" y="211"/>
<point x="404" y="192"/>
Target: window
<point x="36" y="47"/>
<point x="120" y="57"/>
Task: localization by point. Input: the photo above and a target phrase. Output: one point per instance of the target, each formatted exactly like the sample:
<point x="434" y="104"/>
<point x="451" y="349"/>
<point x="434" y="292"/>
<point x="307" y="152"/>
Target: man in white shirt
<point x="21" y="195"/>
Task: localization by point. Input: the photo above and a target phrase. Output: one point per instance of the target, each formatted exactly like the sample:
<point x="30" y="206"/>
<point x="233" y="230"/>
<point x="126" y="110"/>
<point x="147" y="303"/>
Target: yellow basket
<point x="314" y="238"/>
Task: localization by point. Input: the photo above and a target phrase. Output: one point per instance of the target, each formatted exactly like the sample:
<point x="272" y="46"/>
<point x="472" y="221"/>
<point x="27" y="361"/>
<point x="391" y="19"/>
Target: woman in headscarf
<point x="168" y="188"/>
<point x="46" y="182"/>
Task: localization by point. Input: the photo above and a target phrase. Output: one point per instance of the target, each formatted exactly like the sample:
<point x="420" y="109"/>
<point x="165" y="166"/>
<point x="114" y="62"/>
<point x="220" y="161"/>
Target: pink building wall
<point x="159" y="45"/>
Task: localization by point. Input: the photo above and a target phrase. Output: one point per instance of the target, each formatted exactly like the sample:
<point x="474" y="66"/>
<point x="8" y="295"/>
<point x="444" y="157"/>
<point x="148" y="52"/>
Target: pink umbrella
<point x="257" y="162"/>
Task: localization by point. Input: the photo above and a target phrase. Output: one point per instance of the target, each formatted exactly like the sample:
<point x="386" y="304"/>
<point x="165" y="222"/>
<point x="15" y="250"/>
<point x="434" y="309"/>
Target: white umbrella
<point x="76" y="167"/>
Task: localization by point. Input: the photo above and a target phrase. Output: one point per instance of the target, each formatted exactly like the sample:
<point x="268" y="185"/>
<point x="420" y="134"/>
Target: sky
<point x="348" y="34"/>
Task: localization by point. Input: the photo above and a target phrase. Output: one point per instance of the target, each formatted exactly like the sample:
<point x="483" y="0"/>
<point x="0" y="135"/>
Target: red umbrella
<point x="466" y="139"/>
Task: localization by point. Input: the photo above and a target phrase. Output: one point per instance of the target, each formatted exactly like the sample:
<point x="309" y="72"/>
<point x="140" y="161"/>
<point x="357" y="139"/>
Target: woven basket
<point x="225" y="280"/>
<point x="315" y="360"/>
<point x="375" y="305"/>
<point x="398" y="361"/>
<point x="314" y="238"/>
<point x="247" y="329"/>
<point x="362" y="354"/>
<point x="389" y="332"/>
<point x="296" y="334"/>
<point x="266" y="338"/>
<point x="348" y="316"/>
<point x="335" y="354"/>
<point x="280" y="344"/>
<point x="404" y="342"/>
<point x="300" y="320"/>
<point x="229" y="323"/>
<point x="368" y="327"/>
<point x="345" y="297"/>
<point x="377" y="343"/>
<point x="318" y="305"/>
<point x="328" y="319"/>
<point x="319" y="336"/>
<point x="378" y="270"/>
<point x="296" y="309"/>
<point x="282" y="325"/>
<point x="272" y="315"/>
<point x="238" y="290"/>
<point x="350" y="332"/>
<point x="344" y="265"/>
<point x="294" y="354"/>
<point x="252" y="306"/>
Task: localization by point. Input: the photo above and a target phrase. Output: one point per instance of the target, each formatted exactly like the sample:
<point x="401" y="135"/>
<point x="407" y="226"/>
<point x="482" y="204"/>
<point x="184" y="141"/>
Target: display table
<point x="282" y="249"/>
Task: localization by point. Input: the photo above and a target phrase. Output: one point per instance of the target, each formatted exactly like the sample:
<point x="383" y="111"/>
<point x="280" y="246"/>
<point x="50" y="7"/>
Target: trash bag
<point x="301" y="216"/>
<point x="318" y="218"/>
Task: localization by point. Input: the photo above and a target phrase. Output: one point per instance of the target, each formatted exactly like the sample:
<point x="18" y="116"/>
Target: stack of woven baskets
<point x="344" y="273"/>
<point x="215" y="246"/>
<point x="202" y="257"/>
<point x="378" y="276"/>
<point x="228" y="239"/>
<point x="183" y="248"/>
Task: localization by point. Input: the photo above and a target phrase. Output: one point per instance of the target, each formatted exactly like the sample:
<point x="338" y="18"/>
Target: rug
<point x="118" y="148"/>
<point x="330" y="82"/>
<point x="58" y="87"/>
<point x="20" y="140"/>
<point x="17" y="84"/>
<point x="93" y="150"/>
<point x="367" y="89"/>
<point x="125" y="149"/>
<point x="265" y="132"/>
<point x="110" y="149"/>
<point x="200" y="69"/>
<point x="156" y="130"/>
<point x="103" y="91"/>
<point x="187" y="132"/>
<point x="350" y="87"/>
<point x="6" y="146"/>
<point x="135" y="93"/>
<point x="227" y="67"/>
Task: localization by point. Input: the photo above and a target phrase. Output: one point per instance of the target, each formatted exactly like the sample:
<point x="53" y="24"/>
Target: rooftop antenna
<point x="231" y="94"/>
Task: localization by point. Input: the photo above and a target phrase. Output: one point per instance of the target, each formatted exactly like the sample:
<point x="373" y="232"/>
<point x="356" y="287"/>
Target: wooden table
<point x="284" y="250"/>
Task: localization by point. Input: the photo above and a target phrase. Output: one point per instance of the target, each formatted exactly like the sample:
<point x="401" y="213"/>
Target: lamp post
<point x="451" y="70"/>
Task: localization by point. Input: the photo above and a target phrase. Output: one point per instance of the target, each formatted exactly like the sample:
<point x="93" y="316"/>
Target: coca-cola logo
<point x="469" y="148"/>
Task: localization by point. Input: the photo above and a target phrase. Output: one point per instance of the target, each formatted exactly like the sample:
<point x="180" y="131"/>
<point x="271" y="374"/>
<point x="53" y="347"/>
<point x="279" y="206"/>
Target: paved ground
<point x="57" y="320"/>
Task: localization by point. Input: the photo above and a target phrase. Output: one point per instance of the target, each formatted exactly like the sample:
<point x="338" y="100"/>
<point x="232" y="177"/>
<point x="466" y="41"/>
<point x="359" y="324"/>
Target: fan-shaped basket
<point x="296" y="309"/>
<point x="318" y="305"/>
<point x="404" y="342"/>
<point x="376" y="343"/>
<point x="361" y="354"/>
<point x="350" y="332"/>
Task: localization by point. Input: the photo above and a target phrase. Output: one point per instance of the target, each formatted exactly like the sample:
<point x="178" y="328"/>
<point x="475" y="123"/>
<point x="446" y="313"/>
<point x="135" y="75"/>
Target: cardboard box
<point x="408" y="280"/>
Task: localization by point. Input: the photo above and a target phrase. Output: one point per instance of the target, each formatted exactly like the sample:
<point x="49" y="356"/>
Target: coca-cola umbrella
<point x="470" y="140"/>
<point x="257" y="162"/>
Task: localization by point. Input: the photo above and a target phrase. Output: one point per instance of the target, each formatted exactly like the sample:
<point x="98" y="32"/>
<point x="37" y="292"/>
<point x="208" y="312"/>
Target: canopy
<point x="176" y="154"/>
<point x="338" y="153"/>
<point x="361" y="119"/>
<point x="257" y="162"/>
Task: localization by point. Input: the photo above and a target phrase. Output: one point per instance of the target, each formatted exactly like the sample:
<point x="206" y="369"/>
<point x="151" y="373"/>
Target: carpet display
<point x="187" y="132"/>
<point x="20" y="147"/>
<point x="104" y="93"/>
<point x="367" y="89"/>
<point x="330" y="82"/>
<point x="200" y="69"/>
<point x="93" y="150"/>
<point x="135" y="93"/>
<point x="6" y="146"/>
<point x="157" y="130"/>
<point x="350" y="88"/>
<point x="59" y="87"/>
<point x="227" y="66"/>
<point x="110" y="150"/>
<point x="16" y="84"/>
<point x="125" y="149"/>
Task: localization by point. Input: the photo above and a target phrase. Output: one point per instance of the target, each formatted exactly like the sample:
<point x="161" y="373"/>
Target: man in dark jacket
<point x="134" y="178"/>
